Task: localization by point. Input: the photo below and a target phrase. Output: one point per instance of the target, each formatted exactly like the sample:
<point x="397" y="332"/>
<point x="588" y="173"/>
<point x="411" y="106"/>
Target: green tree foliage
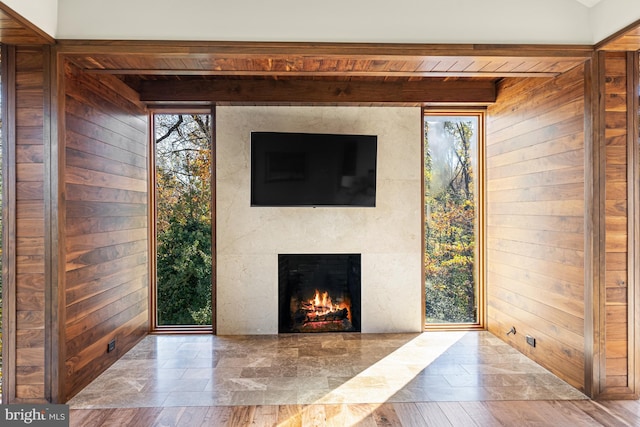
<point x="183" y="198"/>
<point x="450" y="291"/>
<point x="184" y="272"/>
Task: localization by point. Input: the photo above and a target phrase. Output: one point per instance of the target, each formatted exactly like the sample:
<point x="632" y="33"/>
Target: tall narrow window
<point x="452" y="218"/>
<point x="183" y="220"/>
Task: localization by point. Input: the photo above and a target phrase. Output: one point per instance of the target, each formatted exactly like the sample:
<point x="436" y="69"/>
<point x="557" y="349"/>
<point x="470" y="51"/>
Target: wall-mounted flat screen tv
<point x="313" y="169"/>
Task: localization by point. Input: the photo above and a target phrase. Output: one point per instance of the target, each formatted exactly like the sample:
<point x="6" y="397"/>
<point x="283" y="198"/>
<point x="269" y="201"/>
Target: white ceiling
<point x="405" y="21"/>
<point x="589" y="3"/>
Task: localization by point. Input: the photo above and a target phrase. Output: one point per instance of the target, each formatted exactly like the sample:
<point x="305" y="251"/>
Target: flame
<point x="322" y="304"/>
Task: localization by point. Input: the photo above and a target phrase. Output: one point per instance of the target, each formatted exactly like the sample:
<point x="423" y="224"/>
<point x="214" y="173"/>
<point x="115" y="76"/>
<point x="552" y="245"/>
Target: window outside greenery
<point x="450" y="162"/>
<point x="183" y="215"/>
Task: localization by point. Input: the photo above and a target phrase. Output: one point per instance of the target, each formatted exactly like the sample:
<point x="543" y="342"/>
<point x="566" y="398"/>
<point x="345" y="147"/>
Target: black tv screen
<point x="312" y="169"/>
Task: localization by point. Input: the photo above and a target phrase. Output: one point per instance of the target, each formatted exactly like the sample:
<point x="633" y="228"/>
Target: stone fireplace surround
<point x="388" y="236"/>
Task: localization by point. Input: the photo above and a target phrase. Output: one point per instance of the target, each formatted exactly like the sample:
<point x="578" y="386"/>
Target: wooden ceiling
<point x="171" y="73"/>
<point x="174" y="73"/>
<point x="199" y="73"/>
<point x="323" y="59"/>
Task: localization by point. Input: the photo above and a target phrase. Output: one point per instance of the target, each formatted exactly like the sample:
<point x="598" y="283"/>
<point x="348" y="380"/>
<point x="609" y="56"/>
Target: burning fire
<point x="321" y="306"/>
<point x="323" y="302"/>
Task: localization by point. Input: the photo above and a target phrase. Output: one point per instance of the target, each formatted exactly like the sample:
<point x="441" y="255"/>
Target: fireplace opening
<point x="319" y="293"/>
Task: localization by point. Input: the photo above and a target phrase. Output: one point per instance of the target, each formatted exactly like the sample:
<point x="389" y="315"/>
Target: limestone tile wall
<point x="388" y="236"/>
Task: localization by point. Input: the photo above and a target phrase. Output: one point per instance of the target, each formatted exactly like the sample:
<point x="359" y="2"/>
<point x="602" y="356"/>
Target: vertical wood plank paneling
<point x="618" y="113"/>
<point x="535" y="219"/>
<point x="105" y="211"/>
<point x="30" y="103"/>
<point x="595" y="326"/>
<point x="633" y="295"/>
<point x="8" y="222"/>
<point x="615" y="375"/>
<point x="53" y="224"/>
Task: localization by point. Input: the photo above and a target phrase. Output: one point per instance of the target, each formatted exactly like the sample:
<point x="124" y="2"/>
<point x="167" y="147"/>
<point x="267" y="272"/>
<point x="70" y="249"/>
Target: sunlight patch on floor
<point x="388" y="377"/>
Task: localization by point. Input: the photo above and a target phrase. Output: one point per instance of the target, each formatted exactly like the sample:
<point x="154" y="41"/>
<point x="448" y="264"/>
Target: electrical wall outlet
<point x="531" y="340"/>
<point x="111" y="346"/>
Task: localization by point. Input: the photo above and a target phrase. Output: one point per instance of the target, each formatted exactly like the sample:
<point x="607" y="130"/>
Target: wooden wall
<point x="617" y="148"/>
<point x="105" y="224"/>
<point x="536" y="220"/>
<point x="31" y="102"/>
<point x="16" y="30"/>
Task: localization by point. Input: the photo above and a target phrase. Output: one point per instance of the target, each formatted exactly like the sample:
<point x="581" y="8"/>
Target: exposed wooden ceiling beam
<point x="314" y="91"/>
<point x="276" y="74"/>
<point x="372" y="51"/>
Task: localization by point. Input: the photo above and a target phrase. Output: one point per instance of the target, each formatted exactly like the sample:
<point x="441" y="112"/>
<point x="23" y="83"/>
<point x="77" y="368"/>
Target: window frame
<point x="480" y="223"/>
<point x="155" y="328"/>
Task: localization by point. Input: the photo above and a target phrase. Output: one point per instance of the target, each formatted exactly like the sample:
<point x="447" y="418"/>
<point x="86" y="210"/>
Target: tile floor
<point x="207" y="370"/>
